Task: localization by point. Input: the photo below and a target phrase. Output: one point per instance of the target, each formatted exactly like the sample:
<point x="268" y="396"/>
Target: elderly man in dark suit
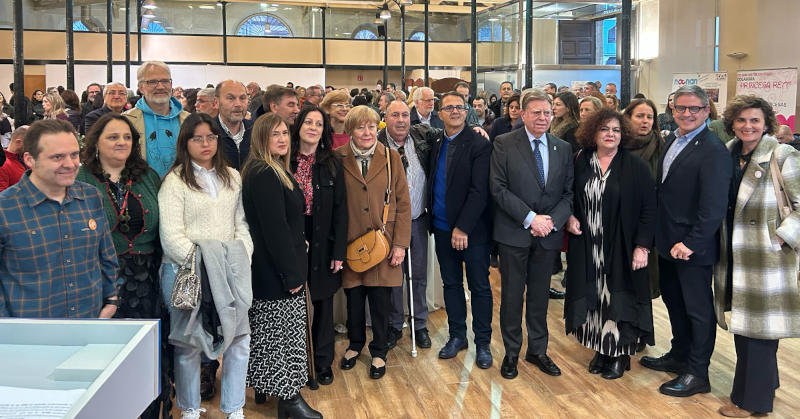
<point x="531" y="183"/>
<point x="458" y="197"/>
<point x="693" y="180"/>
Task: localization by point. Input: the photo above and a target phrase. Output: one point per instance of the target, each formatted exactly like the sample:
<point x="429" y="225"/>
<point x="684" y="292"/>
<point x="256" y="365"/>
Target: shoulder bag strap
<point x="388" y="187"/>
<point x="784" y="207"/>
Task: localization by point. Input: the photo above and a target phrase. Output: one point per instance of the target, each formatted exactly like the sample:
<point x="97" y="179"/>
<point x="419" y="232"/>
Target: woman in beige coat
<point x="366" y="177"/>
<point x="756" y="276"/>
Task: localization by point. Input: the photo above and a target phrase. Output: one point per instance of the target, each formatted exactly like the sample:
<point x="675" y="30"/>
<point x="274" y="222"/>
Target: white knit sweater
<point x="187" y="215"/>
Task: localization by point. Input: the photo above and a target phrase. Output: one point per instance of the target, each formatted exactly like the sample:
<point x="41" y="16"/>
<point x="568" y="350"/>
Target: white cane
<point x="411" y="306"/>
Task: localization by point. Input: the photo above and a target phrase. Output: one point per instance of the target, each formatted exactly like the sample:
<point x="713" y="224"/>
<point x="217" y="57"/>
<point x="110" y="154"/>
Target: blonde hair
<point x="336" y="96"/>
<point x="260" y="157"/>
<point x="359" y="115"/>
<point x="57" y="104"/>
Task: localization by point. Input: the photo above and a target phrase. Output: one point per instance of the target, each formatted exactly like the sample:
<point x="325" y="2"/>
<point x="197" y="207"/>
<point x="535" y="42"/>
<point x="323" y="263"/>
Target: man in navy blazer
<point x="422" y="112"/>
<point x="693" y="179"/>
<point x="458" y="188"/>
<point x="531" y="184"/>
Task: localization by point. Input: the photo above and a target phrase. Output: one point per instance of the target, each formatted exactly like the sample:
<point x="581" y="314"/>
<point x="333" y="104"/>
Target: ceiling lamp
<point x="385" y="13"/>
<point x="150" y="5"/>
<point x="406" y="2"/>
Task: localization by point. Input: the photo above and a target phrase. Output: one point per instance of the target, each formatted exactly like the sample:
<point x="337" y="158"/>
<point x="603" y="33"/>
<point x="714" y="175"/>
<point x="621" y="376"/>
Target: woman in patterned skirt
<point x="274" y="204"/>
<point x="607" y="305"/>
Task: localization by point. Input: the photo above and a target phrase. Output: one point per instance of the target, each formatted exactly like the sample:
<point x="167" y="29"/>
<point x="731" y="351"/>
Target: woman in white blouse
<point x="200" y="199"/>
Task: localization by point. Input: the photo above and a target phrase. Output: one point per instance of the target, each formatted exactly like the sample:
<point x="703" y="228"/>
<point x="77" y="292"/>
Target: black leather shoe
<point x="544" y="363"/>
<point x="422" y="338"/>
<point x="616" y="367"/>
<point x="312" y="384"/>
<point x="296" y="408"/>
<point x="261" y="398"/>
<point x="348" y="364"/>
<point x="598" y="363"/>
<point x="377" y="373"/>
<point x="509" y="368"/>
<point x="452" y="348"/>
<point x="556" y="294"/>
<point x="663" y="363"/>
<point x="325" y="376"/>
<point x="208" y="377"/>
<point x="483" y="356"/>
<point x="494" y="261"/>
<point x="685" y="385"/>
<point x="394" y="336"/>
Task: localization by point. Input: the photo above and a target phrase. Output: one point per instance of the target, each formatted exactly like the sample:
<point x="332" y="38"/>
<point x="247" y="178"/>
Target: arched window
<point x="264" y="24"/>
<point x="418" y="36"/>
<point x="153" y="27"/>
<point x="493" y="32"/>
<point x="365" y="31"/>
<point x="91" y="25"/>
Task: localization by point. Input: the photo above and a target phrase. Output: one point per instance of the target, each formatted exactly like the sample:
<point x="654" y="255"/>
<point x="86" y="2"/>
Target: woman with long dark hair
<point x="318" y="171"/>
<point x="565" y="118"/>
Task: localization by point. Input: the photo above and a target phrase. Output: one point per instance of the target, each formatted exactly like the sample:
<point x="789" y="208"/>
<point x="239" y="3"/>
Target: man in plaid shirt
<point x="57" y="259"/>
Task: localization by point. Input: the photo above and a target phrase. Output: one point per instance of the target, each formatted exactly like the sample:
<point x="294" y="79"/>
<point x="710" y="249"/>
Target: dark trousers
<point x="756" y="377"/>
<point x="686" y="291"/>
<point x="451" y="264"/>
<point x="323" y="334"/>
<point x="379" y="306"/>
<point x="419" y="270"/>
<point x="525" y="276"/>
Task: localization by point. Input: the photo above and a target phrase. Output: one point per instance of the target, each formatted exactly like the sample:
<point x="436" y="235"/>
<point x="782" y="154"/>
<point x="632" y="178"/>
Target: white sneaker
<point x="238" y="414"/>
<point x="192" y="413"/>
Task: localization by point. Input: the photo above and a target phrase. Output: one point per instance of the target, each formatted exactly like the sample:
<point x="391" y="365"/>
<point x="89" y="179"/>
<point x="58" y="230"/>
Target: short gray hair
<point x="529" y="95"/>
<point x="693" y="90"/>
<point x="147" y="64"/>
<point x="117" y="84"/>
<point x="207" y="92"/>
<point x="418" y="93"/>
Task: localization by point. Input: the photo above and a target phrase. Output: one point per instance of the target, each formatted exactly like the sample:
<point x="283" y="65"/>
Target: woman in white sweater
<point x="200" y="199"/>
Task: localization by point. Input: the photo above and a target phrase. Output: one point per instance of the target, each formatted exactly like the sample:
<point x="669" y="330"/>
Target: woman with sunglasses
<point x="130" y="198"/>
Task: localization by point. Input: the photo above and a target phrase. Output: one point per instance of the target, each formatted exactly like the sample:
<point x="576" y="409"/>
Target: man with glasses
<point x="207" y="102"/>
<point x="92" y="91"/>
<point x="422" y="112"/>
<point x="157" y="116"/>
<point x="115" y="97"/>
<point x="413" y="143"/>
<point x="532" y="189"/>
<point x="458" y="199"/>
<point x="692" y="185"/>
<point x="314" y="95"/>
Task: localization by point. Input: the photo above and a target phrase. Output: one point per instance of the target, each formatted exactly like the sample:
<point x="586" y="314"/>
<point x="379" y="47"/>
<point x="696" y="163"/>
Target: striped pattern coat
<point x="764" y="296"/>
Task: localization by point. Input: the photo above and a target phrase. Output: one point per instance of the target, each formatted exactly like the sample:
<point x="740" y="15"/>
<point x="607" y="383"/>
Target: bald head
<point x="784" y="134"/>
<point x="398" y="120"/>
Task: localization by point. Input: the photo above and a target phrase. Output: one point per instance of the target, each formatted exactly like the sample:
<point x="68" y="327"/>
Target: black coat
<point x="693" y="199"/>
<point x="629" y="208"/>
<point x="328" y="239"/>
<point x="435" y="121"/>
<point x="500" y="126"/>
<point x="467" y="199"/>
<point x="237" y="156"/>
<point x="275" y="216"/>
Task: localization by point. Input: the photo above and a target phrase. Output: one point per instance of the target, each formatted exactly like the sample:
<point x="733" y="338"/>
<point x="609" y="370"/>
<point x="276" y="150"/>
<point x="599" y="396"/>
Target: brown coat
<point x="365" y="209"/>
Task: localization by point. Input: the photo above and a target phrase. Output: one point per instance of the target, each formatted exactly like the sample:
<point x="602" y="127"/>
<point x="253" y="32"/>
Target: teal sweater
<point x="146" y="191"/>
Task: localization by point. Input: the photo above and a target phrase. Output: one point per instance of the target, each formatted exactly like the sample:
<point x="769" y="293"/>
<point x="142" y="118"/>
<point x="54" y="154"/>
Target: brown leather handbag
<point x="371" y="248"/>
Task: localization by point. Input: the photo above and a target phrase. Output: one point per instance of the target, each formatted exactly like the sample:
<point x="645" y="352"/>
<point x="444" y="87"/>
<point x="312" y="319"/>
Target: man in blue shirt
<point x="461" y="224"/>
<point x="56" y="255"/>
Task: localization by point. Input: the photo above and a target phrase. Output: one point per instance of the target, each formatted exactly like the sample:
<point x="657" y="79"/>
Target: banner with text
<point x="715" y="85"/>
<point x="778" y="87"/>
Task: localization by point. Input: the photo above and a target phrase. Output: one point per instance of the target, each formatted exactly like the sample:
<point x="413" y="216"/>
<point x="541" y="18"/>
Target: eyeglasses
<point x="154" y="83"/>
<point x="198" y="139"/>
<point x="116" y="93"/>
<point x="454" y="108"/>
<point x="692" y="109"/>
<point x="342" y="106"/>
<point x="427" y="100"/>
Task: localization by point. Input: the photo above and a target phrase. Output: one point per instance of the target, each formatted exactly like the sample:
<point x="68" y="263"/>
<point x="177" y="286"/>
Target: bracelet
<point x="109" y="301"/>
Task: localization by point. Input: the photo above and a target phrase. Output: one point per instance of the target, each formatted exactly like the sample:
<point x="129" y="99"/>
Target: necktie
<point x="364" y="167"/>
<point x="539" y="161"/>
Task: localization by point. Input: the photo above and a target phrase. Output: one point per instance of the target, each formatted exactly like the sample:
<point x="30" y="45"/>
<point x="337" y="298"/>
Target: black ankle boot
<point x="616" y="367"/>
<point x="296" y="408"/>
<point x="598" y="363"/>
<point x="261" y="398"/>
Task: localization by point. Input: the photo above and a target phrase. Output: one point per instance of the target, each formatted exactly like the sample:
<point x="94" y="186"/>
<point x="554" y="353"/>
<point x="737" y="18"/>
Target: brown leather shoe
<point x="733" y="411"/>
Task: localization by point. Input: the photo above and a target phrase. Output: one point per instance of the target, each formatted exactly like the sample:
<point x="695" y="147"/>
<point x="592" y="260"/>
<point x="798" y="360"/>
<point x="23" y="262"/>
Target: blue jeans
<point x="187" y="363"/>
<point x="476" y="259"/>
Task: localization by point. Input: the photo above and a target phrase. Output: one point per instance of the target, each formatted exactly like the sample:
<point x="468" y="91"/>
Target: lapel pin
<point x="758" y="175"/>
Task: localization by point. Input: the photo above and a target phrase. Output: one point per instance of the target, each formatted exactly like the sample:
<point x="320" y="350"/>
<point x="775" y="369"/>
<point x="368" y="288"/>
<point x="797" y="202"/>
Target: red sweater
<point x="11" y="171"/>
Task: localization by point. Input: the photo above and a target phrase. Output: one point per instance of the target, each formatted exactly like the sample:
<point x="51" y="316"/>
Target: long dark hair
<point x="324" y="153"/>
<point x="183" y="161"/>
<point x="571" y="103"/>
<point x="135" y="165"/>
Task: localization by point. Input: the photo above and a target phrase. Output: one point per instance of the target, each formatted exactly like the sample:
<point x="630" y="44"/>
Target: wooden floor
<point x="427" y="387"/>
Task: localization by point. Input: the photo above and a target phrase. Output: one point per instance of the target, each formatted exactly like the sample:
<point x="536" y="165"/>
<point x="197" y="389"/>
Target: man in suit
<point x="693" y="179"/>
<point x="531" y="184"/>
<point x="506" y="91"/>
<point x="458" y="197"/>
<point x="422" y="112"/>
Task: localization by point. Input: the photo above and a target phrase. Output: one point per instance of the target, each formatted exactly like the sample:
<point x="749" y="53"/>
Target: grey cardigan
<point x="228" y="267"/>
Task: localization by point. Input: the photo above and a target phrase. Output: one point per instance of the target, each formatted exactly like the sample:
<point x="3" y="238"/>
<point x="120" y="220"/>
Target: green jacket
<point x="146" y="192"/>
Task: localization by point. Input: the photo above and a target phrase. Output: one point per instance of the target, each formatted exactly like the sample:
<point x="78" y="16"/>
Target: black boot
<point x="616" y="367"/>
<point x="598" y="363"/>
<point x="296" y="408"/>
<point x="261" y="398"/>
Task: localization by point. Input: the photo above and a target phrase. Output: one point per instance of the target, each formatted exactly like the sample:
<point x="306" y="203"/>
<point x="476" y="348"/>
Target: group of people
<point x="276" y="206"/>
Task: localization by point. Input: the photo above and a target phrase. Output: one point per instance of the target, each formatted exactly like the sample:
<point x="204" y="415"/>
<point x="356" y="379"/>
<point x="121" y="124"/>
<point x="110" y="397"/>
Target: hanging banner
<point x="715" y="85"/>
<point x="778" y="87"/>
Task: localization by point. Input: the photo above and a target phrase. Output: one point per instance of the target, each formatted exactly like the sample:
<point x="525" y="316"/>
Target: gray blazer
<point x="516" y="192"/>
